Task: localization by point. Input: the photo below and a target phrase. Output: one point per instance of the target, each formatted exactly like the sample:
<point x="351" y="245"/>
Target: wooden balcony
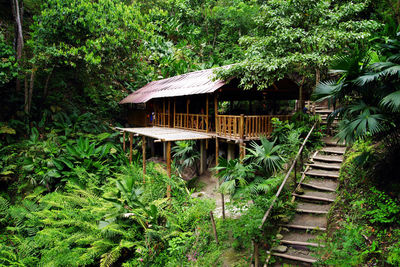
<point x="241" y="127"/>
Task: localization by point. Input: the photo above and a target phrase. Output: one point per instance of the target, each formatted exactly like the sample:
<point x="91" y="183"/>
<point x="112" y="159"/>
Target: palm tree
<point x="266" y="156"/>
<point x="186" y="154"/>
<point x="368" y="92"/>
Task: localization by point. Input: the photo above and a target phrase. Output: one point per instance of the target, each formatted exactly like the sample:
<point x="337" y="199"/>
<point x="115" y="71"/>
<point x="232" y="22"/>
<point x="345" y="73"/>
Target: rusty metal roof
<point x="192" y="83"/>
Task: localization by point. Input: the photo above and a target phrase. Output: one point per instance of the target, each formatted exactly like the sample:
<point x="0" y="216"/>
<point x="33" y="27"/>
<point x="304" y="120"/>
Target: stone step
<point x="323" y="111"/>
<point x="331" y="141"/>
<point x="306" y="207"/>
<point x="316" y="196"/>
<point x="324" y="165"/>
<point x="299" y="243"/>
<point x="334" y="150"/>
<point x="296" y="255"/>
<point x="309" y="220"/>
<point x="321" y="184"/>
<point x="322" y="173"/>
<point x="328" y="158"/>
<point x="305" y="227"/>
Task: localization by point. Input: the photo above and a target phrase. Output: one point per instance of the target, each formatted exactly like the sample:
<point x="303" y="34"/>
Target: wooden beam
<point x="144" y="157"/>
<point x="130" y="147"/>
<point x="169" y="168"/>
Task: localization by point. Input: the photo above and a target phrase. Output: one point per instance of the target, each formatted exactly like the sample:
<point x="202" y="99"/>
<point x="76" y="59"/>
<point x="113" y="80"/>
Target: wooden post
<point x="231" y="151"/>
<point x="241" y="127"/>
<point x="214" y="227"/>
<point x="163" y="116"/>
<point x="242" y="150"/>
<point x="169" y="167"/>
<point x="203" y="157"/>
<point x="130" y="147"/>
<point x="216" y="164"/>
<point x="207" y="118"/>
<point x="256" y="258"/>
<point x="174" y="112"/>
<point x="123" y="142"/>
<point x="144" y="157"/>
<point x="216" y="114"/>
<point x="187" y="112"/>
<point x="169" y="113"/>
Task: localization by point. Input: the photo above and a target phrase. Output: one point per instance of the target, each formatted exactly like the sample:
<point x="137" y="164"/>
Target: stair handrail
<point x="286" y="177"/>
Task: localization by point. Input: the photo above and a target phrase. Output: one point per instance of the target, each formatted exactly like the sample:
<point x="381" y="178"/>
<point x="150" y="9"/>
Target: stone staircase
<point x="314" y="196"/>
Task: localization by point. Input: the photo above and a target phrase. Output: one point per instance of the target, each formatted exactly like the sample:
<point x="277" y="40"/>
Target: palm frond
<point x="392" y="101"/>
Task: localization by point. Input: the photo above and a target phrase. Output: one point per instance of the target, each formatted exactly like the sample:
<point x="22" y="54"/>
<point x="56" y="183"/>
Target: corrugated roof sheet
<point x="192" y="83"/>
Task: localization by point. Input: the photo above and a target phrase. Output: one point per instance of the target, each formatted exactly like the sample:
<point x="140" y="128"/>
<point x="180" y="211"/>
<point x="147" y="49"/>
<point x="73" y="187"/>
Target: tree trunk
<point x="29" y="93"/>
<point x="17" y="10"/>
<point x="46" y="85"/>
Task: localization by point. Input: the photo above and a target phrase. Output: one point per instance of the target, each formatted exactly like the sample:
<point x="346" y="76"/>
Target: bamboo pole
<point x="144" y="157"/>
<point x="130" y="147"/>
<point x="169" y="113"/>
<point x="169" y="167"/>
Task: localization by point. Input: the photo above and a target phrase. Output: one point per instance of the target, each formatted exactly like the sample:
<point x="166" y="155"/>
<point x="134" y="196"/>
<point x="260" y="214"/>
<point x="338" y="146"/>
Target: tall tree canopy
<point x="301" y="36"/>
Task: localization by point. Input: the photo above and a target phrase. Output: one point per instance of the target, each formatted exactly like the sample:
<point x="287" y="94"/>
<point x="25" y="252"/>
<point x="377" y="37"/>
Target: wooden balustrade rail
<point x="161" y="119"/>
<point x="249" y="127"/>
<point x="197" y="122"/>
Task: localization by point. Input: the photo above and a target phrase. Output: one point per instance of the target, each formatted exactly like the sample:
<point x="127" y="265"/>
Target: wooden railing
<point x="229" y="126"/>
<point x="197" y="122"/>
<point x="161" y="119"/>
<point x="260" y="124"/>
<point x="250" y="127"/>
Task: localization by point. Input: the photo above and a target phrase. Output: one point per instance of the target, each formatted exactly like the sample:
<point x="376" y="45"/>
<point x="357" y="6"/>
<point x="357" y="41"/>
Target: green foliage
<point x="186" y="154"/>
<point x="8" y="64"/>
<point x="366" y="91"/>
<point x="299" y="37"/>
<point x="266" y="156"/>
<point x="382" y="209"/>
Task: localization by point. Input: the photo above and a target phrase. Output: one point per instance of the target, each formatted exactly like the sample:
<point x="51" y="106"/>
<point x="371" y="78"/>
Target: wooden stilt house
<point x="196" y="106"/>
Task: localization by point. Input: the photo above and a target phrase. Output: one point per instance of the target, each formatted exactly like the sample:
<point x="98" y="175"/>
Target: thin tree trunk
<point x="26" y="95"/>
<point x="19" y="44"/>
<point x="46" y="85"/>
<point x="30" y="93"/>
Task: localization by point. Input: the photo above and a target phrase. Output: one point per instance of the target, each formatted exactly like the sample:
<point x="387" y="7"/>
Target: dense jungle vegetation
<point x="68" y="195"/>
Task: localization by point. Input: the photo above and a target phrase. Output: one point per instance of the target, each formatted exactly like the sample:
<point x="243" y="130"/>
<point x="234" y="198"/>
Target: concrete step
<point x="325" y="165"/>
<point x="322" y="173"/>
<point x="323" y="111"/>
<point x="306" y="207"/>
<point x="296" y="255"/>
<point x="331" y="141"/>
<point x="313" y="195"/>
<point x="328" y="158"/>
<point x="299" y="243"/>
<point x="334" y="149"/>
<point x="321" y="184"/>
